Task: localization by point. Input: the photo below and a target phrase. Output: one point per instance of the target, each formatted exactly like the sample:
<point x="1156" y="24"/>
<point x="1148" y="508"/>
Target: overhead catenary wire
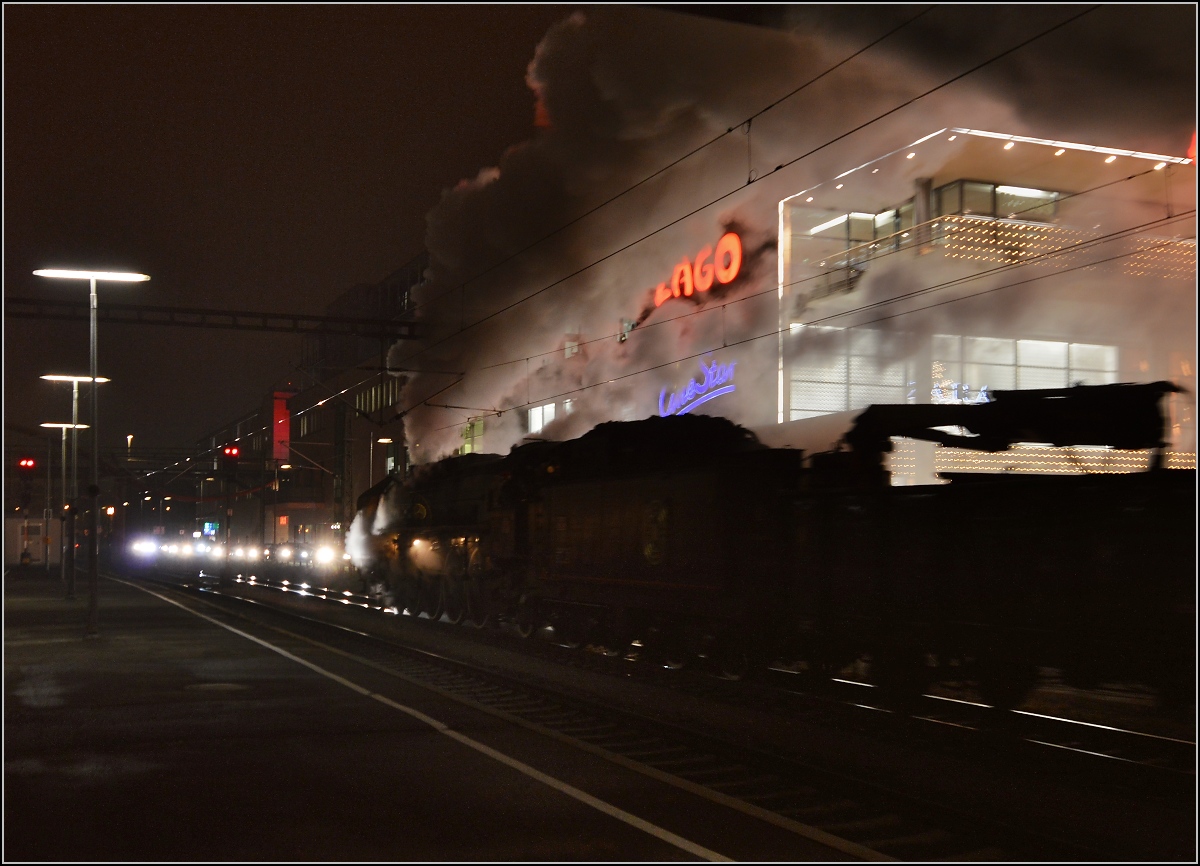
<point x="905" y="104"/>
<point x="893" y="110"/>
<point x="460" y="375"/>
<point x="614" y="198"/>
<point x="774" y="288"/>
<point x="774" y="332"/>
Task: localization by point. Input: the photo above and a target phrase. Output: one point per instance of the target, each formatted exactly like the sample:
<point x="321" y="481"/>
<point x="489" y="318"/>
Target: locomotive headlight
<point x="324" y="555"/>
<point x="252" y="553"/>
<point x="285" y="553"/>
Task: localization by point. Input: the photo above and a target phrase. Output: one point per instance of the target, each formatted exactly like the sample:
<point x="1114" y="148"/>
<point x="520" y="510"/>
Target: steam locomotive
<point x="686" y="537"/>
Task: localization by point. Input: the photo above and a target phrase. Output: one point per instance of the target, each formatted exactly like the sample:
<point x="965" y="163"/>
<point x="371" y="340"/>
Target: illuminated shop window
<point x="840" y="369"/>
<point x="965" y="369"/>
<point x="1041" y="364"/>
<point x="995" y="200"/>
<point x="471" y="435"/>
<point x="540" y="416"/>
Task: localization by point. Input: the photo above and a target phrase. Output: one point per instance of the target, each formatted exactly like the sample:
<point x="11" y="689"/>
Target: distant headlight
<point x="252" y="553"/>
<point x="324" y="554"/>
<point x="285" y="553"/>
<point x="144" y="547"/>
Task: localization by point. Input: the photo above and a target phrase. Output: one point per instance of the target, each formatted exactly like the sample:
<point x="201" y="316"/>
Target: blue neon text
<point x="717" y="380"/>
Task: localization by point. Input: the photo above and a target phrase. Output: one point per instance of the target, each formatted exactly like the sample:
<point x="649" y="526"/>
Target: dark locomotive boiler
<point x="687" y="537"/>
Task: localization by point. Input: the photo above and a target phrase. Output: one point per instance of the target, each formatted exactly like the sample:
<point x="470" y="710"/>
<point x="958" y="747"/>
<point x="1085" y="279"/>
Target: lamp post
<point x="94" y="489"/>
<point x="72" y="504"/>
<point x="74" y="380"/>
<point x="68" y="579"/>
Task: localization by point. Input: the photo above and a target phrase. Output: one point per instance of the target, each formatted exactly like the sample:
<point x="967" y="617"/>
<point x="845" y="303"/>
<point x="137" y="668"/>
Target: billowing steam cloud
<point x="622" y="92"/>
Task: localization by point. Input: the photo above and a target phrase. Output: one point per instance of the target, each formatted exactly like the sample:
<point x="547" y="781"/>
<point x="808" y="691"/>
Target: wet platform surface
<point x="169" y="738"/>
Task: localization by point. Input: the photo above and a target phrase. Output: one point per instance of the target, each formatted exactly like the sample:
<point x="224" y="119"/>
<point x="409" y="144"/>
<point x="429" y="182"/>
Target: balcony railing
<point x="995" y="241"/>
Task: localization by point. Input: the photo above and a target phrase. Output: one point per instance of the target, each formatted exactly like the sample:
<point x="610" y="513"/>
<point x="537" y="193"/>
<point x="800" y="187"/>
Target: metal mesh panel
<point x="1031" y="378"/>
<point x="818" y="397"/>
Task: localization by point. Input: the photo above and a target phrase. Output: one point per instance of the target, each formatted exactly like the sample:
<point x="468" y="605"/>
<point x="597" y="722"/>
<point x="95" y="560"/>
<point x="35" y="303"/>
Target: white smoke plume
<point x="380" y="510"/>
<point x="622" y="92"/>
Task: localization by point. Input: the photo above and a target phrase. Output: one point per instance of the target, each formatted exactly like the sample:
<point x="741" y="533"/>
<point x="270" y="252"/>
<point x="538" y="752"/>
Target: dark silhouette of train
<point x="686" y="537"/>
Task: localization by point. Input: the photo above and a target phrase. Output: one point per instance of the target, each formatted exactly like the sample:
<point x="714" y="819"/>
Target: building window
<point x="471" y="434"/>
<point x="1015" y="202"/>
<point x="977" y="198"/>
<point x="849" y="369"/>
<point x="540" y="416"/>
<point x="966" y="368"/>
<point x="949" y="199"/>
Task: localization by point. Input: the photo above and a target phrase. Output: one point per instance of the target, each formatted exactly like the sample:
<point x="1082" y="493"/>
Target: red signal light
<point x="231" y="451"/>
<point x="27" y="463"/>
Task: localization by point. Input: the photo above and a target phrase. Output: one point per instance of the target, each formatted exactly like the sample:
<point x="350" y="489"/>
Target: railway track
<point x="784" y="786"/>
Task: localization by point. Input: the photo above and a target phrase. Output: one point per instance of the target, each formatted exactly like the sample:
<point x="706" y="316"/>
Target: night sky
<point x="246" y="158"/>
<point x="269" y="158"/>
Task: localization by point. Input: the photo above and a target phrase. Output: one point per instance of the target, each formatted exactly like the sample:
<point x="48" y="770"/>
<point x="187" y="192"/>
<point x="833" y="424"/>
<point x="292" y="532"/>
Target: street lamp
<point x="74" y="380"/>
<point x="73" y="502"/>
<point x="94" y="490"/>
<point x="382" y="440"/>
<point x="68" y="578"/>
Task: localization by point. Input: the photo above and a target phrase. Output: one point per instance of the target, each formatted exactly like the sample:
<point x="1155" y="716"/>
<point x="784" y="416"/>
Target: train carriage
<point x="688" y="536"/>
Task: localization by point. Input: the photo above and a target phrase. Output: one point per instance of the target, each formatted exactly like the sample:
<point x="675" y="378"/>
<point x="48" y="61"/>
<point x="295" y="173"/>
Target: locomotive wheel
<point x="429" y="599"/>
<point x="526" y="622"/>
<point x="479" y="612"/>
<point x="402" y="591"/>
<point x="453" y="599"/>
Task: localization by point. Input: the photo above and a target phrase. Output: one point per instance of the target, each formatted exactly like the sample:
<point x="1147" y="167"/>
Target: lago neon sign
<point x="690" y="278"/>
<point x="717" y="379"/>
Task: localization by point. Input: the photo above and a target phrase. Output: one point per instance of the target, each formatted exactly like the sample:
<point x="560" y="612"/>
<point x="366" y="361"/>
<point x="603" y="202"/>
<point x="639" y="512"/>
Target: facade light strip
<point x="1177" y="160"/>
<point x="1136" y="154"/>
<point x="872" y="162"/>
<point x="837" y="220"/>
<point x="1025" y="192"/>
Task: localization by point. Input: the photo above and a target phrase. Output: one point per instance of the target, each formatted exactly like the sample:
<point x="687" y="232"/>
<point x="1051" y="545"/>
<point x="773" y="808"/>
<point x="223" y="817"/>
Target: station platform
<point x="161" y="738"/>
<point x="168" y="738"/>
